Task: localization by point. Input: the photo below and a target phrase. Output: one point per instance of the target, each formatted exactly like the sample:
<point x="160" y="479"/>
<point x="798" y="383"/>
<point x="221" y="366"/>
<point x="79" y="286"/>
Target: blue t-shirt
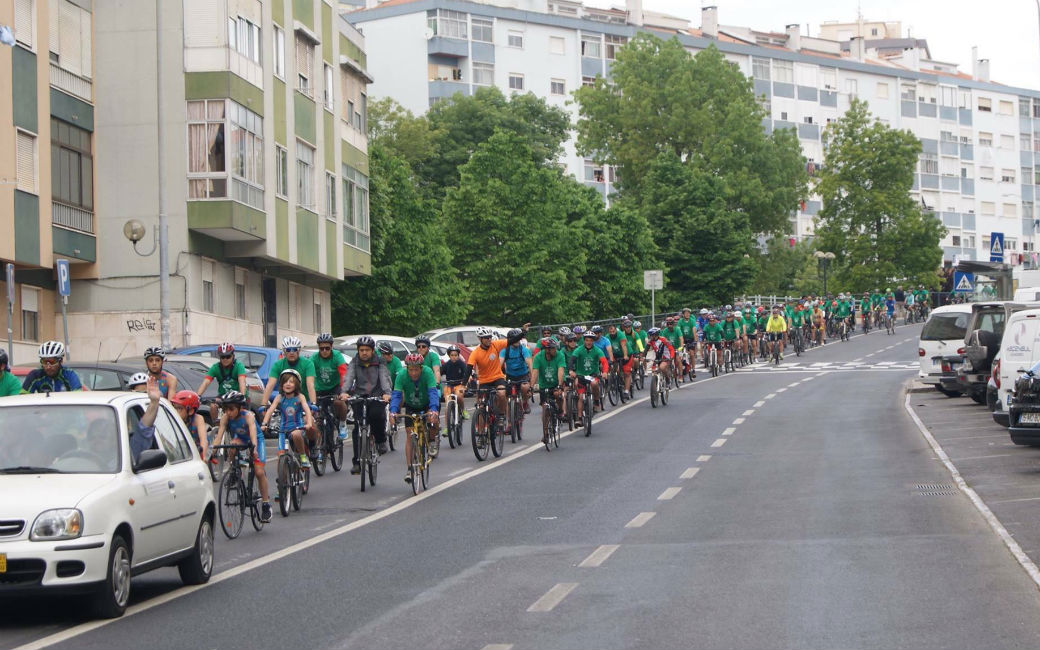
<point x="515" y="358"/>
<point x="37" y="381"/>
<point x="292" y="413"/>
<point x="603" y="343"/>
<point x="890" y="305"/>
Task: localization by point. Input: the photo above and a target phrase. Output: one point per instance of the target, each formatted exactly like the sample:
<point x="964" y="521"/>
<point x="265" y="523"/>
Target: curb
<point x="913" y="385"/>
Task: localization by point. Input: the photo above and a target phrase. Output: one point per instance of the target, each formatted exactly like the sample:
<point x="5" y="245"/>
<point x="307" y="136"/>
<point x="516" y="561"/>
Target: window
<point x="828" y="78"/>
<point x="964" y="98"/>
<point x="955" y="240"/>
<point x="926" y="93"/>
<point x="279" y="52"/>
<point x="985" y="173"/>
<point x="594" y="172"/>
<point x="591" y="47"/>
<point x="783" y="116"/>
<point x="207" y="172"/>
<point x="26" y="162"/>
<point x="1007" y="142"/>
<point x="240" y="294"/>
<point x="355" y="208"/>
<point x="329" y="81"/>
<point x="985" y="139"/>
<point x="852" y="87"/>
<point x="362" y="113"/>
<point x="760" y="68"/>
<point x="948" y="95"/>
<point x="246" y="151"/>
<point x="244" y="38"/>
<point x="1036" y="176"/>
<point x="985" y="104"/>
<point x="440" y="72"/>
<point x="1005" y="107"/>
<point x="515" y="39"/>
<point x="72" y="166"/>
<point x="557" y="45"/>
<point x="304" y="65"/>
<point x="807" y="119"/>
<point x="881" y="90"/>
<point x="947" y="136"/>
<point x="1025" y="141"/>
<point x="1036" y="107"/>
<point x="70" y="40"/>
<point x="988" y="207"/>
<point x="516" y="81"/>
<point x="1026" y="175"/>
<point x="30" y="313"/>
<point x="613" y="44"/>
<point x="281" y="171"/>
<point x="330" y="196"/>
<point x="170" y="439"/>
<point x="207" y="286"/>
<point x="1007" y="175"/>
<point x="873" y="31"/>
<point x="929" y="163"/>
<point x="319" y="301"/>
<point x="908" y="91"/>
<point x="1010" y="244"/>
<point x="1009" y="210"/>
<point x="588" y="82"/>
<point x="783" y="71"/>
<point x="25" y="22"/>
<point x="450" y="24"/>
<point x="557" y="87"/>
<point x="304" y="175"/>
<point x="483" y="74"/>
<point x="482" y="29"/>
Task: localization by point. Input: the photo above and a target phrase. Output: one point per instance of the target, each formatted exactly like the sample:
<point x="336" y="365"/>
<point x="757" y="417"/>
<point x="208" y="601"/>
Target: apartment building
<point x="981" y="140"/>
<point x="47" y="183"/>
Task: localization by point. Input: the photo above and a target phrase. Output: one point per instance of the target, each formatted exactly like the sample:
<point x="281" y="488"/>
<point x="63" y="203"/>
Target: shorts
<point x="582" y="384"/>
<point x="542" y="392"/>
<point x="498" y="383"/>
<point x="525" y="378"/>
<point x="775" y="336"/>
<point x="335" y="392"/>
<point x="627" y="366"/>
<point x="261" y="451"/>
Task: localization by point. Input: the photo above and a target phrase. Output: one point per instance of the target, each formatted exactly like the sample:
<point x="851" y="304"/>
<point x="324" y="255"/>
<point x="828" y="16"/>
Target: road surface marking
<point x="599" y="556"/>
<point x="640" y="519"/>
<point x="808" y="379"/>
<point x="703" y="458"/>
<point x="668" y="494"/>
<point x="760" y="404"/>
<point x="981" y="457"/>
<point x="729" y="431"/>
<point x="748" y="412"/>
<point x="871" y="354"/>
<point x="719" y="442"/>
<point x="738" y="421"/>
<point x="792" y="385"/>
<point x="770" y="396"/>
<point x="781" y="390"/>
<point x="552" y="597"/>
<point x="690" y="472"/>
<point x="498" y="646"/>
<point x="1017" y="500"/>
<point x="855" y="360"/>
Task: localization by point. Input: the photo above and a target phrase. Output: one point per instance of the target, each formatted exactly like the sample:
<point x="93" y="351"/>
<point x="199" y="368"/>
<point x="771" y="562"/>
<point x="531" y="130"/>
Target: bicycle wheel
<point x="588" y="411"/>
<point x="664" y="396"/>
<point x="458" y="429"/>
<point x="364" y="453"/>
<point x="498" y="438"/>
<point x="639" y="377"/>
<point x="655" y="383"/>
<point x="427" y="461"/>
<point x="373" y="463"/>
<point x="511" y="419"/>
<point x="284" y="484"/>
<point x="611" y="388"/>
<point x="479" y="441"/>
<point x="231" y="502"/>
<point x="413" y="465"/>
<point x="317" y="454"/>
<point x="299" y="480"/>
<point x="254" y="514"/>
<point x="216" y="467"/>
<point x="336" y="452"/>
<point x="554" y="433"/>
<point x="391" y="436"/>
<point x="452" y="406"/>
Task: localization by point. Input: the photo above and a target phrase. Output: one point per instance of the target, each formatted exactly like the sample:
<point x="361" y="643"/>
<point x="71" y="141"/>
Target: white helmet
<point x="137" y="379"/>
<point x="484" y="331"/>
<point x="291" y="342"/>
<point x="52" y="350"/>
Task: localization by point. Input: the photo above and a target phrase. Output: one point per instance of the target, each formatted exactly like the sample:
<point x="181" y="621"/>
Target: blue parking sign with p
<point x="64" y="281"/>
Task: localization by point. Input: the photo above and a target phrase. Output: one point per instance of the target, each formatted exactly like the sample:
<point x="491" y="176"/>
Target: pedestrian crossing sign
<point x="963" y="282"/>
<point x="996" y="247"/>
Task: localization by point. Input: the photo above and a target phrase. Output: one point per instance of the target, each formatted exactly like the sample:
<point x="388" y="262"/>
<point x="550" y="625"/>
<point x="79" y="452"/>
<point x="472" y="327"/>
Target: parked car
<point x="941" y="335"/>
<point x="1024" y="410"/>
<point x="253" y="357"/>
<point x="81" y="514"/>
<point x="467" y="335"/>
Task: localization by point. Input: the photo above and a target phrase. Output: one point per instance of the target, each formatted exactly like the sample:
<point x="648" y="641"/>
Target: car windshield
<point x="59" y="439"/>
<point x="945" y="327"/>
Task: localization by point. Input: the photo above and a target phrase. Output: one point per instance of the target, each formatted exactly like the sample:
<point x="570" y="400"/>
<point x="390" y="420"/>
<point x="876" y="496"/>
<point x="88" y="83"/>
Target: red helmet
<point x="225" y="349"/>
<point x="189" y="399"/>
<point x="413" y="360"/>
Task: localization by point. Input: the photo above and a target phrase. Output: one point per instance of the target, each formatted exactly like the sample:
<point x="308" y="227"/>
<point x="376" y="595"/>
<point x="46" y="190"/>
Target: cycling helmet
<point x="3" y="357"/>
<point x="589" y="334"/>
<point x="52" y="350"/>
<point x="422" y="339"/>
<point x="413" y="360"/>
<point x="653" y="331"/>
<point x="325" y="337"/>
<point x="547" y="330"/>
<point x="704" y="312"/>
<point x="454" y="348"/>
<point x="686" y="310"/>
<point x="549" y="344"/>
<point x="189" y="399"/>
<point x="154" y="352"/>
<point x="578" y="329"/>
<point x="291" y="342"/>
<point x="365" y="342"/>
<point x="225" y="349"/>
<point x="295" y="374"/>
<point x="572" y="337"/>
<point x="385" y="347"/>
<point x="630" y="316"/>
<point x="565" y="331"/>
<point x="514" y="335"/>
<point x="484" y="332"/>
<point x="137" y="379"/>
<point x="626" y="323"/>
<point x="637" y="324"/>
<point x="233" y="398"/>
<point x="597" y="329"/>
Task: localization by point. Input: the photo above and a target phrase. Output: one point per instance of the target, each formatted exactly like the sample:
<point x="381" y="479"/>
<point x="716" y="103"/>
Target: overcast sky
<point x="1005" y="31"/>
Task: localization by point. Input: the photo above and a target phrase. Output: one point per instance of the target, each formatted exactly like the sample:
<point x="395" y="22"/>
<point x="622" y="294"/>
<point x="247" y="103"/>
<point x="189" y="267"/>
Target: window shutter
<point x="24" y="18"/>
<point x="53" y="30"/>
<point x="86" y="43"/>
<point x="30" y="299"/>
<point x="71" y="54"/>
<point x="26" y="162"/>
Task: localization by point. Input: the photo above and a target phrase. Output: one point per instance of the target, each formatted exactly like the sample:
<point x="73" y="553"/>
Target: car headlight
<point x="53" y="525"/>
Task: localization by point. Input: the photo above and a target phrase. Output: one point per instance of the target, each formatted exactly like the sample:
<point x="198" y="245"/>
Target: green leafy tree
<point x="784" y="269"/>
<point x="620" y="247"/>
<point x="869" y="220"/>
<point x="515" y="235"/>
<point x="413" y="286"/>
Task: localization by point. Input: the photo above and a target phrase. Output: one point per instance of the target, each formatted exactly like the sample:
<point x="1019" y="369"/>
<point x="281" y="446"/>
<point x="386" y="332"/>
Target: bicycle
<point x="686" y="366"/>
<point x="799" y="344"/>
<point x="639" y="372"/>
<point x="236" y="494"/>
<point x="486" y="432"/>
<point x="330" y="447"/>
<point x="514" y="409"/>
<point x="776" y="349"/>
<point x="587" y="404"/>
<point x="454" y="420"/>
<point x="713" y="359"/>
<point x="727" y="357"/>
<point x="613" y="387"/>
<point x="571" y="400"/>
<point x="391" y="430"/>
<point x="550" y="420"/>
<point x="421" y="459"/>
<point x="292" y="479"/>
<point x="890" y="324"/>
<point x="368" y="456"/>
<point x="659" y="389"/>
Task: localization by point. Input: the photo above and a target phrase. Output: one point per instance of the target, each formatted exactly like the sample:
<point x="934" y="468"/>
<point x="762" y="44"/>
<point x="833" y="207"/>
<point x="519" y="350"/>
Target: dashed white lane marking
<point x="907" y="340"/>
<point x="781" y="390"/>
<point x="770" y="396"/>
<point x="690" y="472"/>
<point x="703" y="458"/>
<point x="792" y="384"/>
<point x="553" y="597"/>
<point x="738" y="421"/>
<point x="599" y="556"/>
<point x="498" y="646"/>
<point x="871" y="354"/>
<point x="719" y="442"/>
<point x="640" y="519"/>
<point x="668" y="494"/>
<point x="749" y="412"/>
<point x="760" y="404"/>
<point x="728" y="431"/>
<point x="808" y="379"/>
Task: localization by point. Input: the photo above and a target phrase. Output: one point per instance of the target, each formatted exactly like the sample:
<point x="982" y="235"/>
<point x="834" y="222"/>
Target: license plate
<point x="3" y="562"/>
<point x="1030" y="418"/>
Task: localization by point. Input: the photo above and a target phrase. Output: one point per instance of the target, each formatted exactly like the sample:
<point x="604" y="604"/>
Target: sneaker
<point x="343" y="433"/>
<point x="545" y="439"/>
<point x="265" y="512"/>
<point x="408" y="478"/>
<point x="382" y="448"/>
<point x="781" y="356"/>
<point x="355" y="468"/>
<point x="465" y="415"/>
<point x="305" y="462"/>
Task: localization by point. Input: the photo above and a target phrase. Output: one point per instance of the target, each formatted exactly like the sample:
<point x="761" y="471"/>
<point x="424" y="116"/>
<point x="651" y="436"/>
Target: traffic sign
<point x="653" y="280"/>
<point x="64" y="281"/>
<point x="996" y="247"/>
<point x="963" y="282"/>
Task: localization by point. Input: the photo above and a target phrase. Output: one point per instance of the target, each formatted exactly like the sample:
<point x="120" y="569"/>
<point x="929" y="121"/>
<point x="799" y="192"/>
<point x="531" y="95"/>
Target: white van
<point x="943" y="334"/>
<point x="1019" y="351"/>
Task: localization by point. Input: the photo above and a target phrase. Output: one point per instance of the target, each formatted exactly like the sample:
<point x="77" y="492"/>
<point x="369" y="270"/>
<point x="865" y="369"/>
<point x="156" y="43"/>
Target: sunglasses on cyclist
<point x="226" y="356"/>
<point x="422" y="345"/>
<point x="325" y="348"/>
<point x="288" y="350"/>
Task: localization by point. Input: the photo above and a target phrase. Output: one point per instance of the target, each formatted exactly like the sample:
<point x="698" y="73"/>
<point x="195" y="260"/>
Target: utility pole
<point x="164" y="232"/>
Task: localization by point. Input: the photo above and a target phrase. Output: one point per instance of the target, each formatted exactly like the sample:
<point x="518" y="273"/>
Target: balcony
<point x="73" y="84"/>
<point x="441" y="45"/>
<point x="228" y="221"/>
<point x="72" y="218"/>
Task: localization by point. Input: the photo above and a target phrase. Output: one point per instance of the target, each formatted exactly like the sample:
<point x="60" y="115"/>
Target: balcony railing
<point x="70" y="217"/>
<point x="71" y="83"/>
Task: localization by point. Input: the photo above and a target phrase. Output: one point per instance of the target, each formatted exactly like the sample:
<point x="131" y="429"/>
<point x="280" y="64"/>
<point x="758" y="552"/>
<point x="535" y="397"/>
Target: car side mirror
<point x="150" y="459"/>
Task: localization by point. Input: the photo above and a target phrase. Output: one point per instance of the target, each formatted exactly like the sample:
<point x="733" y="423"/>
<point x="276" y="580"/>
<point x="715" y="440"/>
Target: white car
<point x="943" y="334"/>
<point x="78" y="514"/>
<point x="466" y="335"/>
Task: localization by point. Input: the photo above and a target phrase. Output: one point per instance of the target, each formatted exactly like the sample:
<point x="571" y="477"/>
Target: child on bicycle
<point x="454" y="371"/>
<point x="186" y="402"/>
<point x="240" y="423"/>
<point x="296" y="414"/>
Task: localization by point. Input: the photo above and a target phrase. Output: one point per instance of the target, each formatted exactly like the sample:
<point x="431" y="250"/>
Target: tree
<point x="784" y="269"/>
<point x="413" y="286"/>
<point x="869" y="220"/>
<point x="703" y="111"/>
<point x="515" y="236"/>
<point x="620" y="247"/>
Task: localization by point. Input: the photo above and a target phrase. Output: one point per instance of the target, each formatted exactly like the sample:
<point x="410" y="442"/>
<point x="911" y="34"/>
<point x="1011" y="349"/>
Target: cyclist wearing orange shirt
<point x="486" y="360"/>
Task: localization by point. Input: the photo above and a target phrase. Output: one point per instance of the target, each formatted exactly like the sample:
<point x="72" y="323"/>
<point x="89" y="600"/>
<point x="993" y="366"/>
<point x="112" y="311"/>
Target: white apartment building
<point x="981" y="140"/>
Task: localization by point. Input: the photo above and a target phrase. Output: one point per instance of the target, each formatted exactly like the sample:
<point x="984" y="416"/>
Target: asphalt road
<point x="766" y="509"/>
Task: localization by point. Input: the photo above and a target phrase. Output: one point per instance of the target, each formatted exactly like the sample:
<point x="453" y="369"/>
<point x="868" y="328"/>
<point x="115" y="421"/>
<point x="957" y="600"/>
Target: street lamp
<point x="823" y="258"/>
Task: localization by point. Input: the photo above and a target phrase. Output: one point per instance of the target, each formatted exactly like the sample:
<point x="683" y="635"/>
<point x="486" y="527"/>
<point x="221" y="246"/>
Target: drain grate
<point x="935" y="489"/>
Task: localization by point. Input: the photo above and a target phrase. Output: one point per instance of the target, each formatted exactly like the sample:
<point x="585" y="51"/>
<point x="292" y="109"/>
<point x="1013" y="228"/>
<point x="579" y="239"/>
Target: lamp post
<point x="823" y="258"/>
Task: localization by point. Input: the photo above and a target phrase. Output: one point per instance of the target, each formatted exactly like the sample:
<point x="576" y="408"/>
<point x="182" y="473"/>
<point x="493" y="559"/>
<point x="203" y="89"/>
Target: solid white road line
<point x="1013" y="546"/>
<point x="719" y="442"/>
<point x="760" y="404"/>
<point x="703" y="458"/>
<point x="640" y="519"/>
<point x="599" y="556"/>
<point x="690" y="472"/>
<point x="553" y="597"/>
<point x="668" y="494"/>
<point x="728" y="431"/>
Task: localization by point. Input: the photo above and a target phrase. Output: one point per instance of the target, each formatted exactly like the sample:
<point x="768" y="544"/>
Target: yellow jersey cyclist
<point x="776" y="327"/>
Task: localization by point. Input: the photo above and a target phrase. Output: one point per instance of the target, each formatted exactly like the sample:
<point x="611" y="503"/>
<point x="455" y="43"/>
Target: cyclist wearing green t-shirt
<point x="9" y="384"/>
<point x="547" y="370"/>
<point x="431" y="359"/>
<point x="330" y="367"/>
<point x="228" y="372"/>
<point x="292" y="361"/>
